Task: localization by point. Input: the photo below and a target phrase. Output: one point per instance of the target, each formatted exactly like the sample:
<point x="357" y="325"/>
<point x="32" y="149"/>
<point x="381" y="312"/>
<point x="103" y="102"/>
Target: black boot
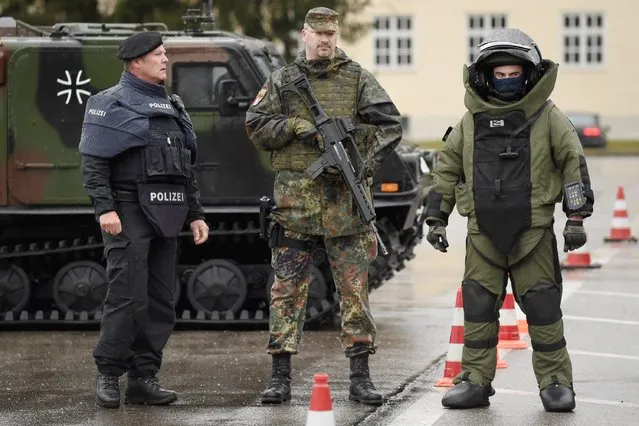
<point x="558" y="398"/>
<point x="468" y="395"/>
<point x="362" y="389"/>
<point x="107" y="391"/>
<point x="147" y="390"/>
<point x="279" y="387"/>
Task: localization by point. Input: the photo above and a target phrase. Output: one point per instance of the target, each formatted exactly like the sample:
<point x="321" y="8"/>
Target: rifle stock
<point x="335" y="133"/>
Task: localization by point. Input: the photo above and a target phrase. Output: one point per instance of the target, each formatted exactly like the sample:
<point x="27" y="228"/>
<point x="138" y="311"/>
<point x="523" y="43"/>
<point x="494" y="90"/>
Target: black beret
<point x="139" y="44"/>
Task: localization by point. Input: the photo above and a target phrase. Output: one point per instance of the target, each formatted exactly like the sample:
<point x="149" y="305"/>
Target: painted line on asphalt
<point x="584" y="400"/>
<point x="603" y="354"/>
<point x="426" y="410"/>
<point x="595" y="354"/>
<point x="604" y="320"/>
<point x="609" y="293"/>
<point x="570" y="287"/>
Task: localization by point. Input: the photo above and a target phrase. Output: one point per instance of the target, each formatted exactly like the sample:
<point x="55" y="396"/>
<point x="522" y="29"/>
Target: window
<point x="196" y="83"/>
<point x="393" y="41"/>
<point x="265" y="66"/>
<point x="583" y="40"/>
<point x="479" y="26"/>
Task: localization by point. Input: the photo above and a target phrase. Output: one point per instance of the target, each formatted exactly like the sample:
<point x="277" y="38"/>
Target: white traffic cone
<point x="320" y="412"/>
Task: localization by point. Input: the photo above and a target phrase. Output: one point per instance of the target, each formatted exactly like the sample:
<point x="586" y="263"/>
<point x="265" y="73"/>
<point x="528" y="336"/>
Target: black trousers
<point x="139" y="311"/>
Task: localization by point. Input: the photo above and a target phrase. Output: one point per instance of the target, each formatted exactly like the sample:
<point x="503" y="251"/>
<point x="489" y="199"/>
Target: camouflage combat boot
<point x="147" y="390"/>
<point x="362" y="389"/>
<point x="557" y="398"/>
<point x="468" y="395"/>
<point x="279" y="387"/>
<point x="107" y="391"/>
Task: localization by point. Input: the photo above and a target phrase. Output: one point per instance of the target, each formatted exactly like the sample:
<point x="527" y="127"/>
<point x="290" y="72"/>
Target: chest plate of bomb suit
<point x="502" y="176"/>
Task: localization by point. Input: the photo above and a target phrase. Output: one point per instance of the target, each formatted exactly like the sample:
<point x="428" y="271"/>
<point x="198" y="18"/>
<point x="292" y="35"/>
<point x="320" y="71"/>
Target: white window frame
<point x="476" y="34"/>
<point x="583" y="33"/>
<point x="391" y="36"/>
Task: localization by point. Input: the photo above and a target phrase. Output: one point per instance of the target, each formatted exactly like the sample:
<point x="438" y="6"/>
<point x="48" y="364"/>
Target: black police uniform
<point x="138" y="149"/>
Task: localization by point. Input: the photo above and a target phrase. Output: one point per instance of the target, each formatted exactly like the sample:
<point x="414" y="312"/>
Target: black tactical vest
<point x="159" y="172"/>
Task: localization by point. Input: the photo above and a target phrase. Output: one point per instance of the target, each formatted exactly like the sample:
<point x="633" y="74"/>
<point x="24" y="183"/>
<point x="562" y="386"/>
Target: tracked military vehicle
<point x="51" y="265"/>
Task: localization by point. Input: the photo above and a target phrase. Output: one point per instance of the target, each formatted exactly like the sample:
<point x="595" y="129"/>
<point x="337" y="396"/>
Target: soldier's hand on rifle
<point x="437" y="235"/>
<point x="574" y="233"/>
<point x="110" y="223"/>
<point x="304" y="130"/>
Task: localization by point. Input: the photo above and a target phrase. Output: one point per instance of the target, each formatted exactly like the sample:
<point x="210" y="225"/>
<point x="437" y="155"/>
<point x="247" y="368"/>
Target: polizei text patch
<point x="166" y="197"/>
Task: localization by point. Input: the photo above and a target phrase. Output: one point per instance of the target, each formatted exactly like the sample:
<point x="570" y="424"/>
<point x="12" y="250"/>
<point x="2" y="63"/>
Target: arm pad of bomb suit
<point x="579" y="198"/>
<point x="434" y="214"/>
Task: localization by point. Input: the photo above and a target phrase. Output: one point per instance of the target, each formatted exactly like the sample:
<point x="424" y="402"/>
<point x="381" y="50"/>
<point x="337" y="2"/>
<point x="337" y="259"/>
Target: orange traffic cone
<point x="620" y="226"/>
<point x="522" y="322"/>
<point x="455" y="344"/>
<point x="501" y="363"/>
<point x="580" y="259"/>
<point x="320" y="412"/>
<point x="508" y="326"/>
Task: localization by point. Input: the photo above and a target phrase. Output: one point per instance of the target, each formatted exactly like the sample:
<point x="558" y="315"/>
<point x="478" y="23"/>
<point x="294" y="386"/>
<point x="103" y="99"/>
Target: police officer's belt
<point x="126" y="196"/>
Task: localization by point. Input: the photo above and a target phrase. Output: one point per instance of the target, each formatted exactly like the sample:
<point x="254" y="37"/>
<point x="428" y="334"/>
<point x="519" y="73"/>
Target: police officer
<point x="309" y="212"/>
<point x="138" y="148"/>
<point x="505" y="165"/>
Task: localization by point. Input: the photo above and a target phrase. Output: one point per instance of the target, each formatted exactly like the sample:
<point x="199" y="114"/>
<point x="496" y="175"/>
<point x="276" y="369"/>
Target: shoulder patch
<point x="260" y="95"/>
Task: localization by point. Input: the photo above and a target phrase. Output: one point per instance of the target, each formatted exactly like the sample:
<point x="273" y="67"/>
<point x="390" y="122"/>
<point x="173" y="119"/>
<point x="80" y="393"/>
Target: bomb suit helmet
<point x="508" y="46"/>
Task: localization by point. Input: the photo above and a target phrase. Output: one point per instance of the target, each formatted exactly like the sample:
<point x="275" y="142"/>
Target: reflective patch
<point x="165" y="206"/>
<point x="98" y="112"/>
<point x="260" y="95"/>
<point x="166" y="197"/>
<point x="160" y="105"/>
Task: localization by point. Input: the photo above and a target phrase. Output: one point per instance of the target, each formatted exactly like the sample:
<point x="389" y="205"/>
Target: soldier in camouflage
<point x="308" y="212"/>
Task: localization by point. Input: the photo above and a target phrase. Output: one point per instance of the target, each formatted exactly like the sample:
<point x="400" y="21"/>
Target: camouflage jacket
<point x="323" y="206"/>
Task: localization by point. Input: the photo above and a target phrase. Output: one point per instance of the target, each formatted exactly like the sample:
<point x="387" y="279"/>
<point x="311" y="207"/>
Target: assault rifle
<point x="338" y="151"/>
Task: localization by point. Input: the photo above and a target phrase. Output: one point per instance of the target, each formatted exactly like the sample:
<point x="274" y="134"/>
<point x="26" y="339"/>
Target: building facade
<point x="417" y="49"/>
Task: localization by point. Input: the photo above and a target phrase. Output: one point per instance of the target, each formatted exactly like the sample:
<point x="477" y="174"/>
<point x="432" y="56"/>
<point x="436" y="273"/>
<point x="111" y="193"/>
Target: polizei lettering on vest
<point x="160" y="105"/>
<point x="98" y="112"/>
<point x="166" y="197"/>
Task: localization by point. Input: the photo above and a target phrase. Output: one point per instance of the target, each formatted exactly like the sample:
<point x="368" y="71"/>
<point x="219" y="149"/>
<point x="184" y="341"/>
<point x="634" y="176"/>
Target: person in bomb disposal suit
<point x="505" y="165"/>
<point x="138" y="149"/>
<point x="308" y="212"/>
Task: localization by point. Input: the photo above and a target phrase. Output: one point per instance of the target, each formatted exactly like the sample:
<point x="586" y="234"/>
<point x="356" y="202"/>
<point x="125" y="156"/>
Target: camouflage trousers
<point x="349" y="258"/>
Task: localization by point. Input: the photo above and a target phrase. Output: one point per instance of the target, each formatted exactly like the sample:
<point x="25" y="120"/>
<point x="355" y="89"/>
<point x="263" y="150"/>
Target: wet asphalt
<point x="47" y="377"/>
